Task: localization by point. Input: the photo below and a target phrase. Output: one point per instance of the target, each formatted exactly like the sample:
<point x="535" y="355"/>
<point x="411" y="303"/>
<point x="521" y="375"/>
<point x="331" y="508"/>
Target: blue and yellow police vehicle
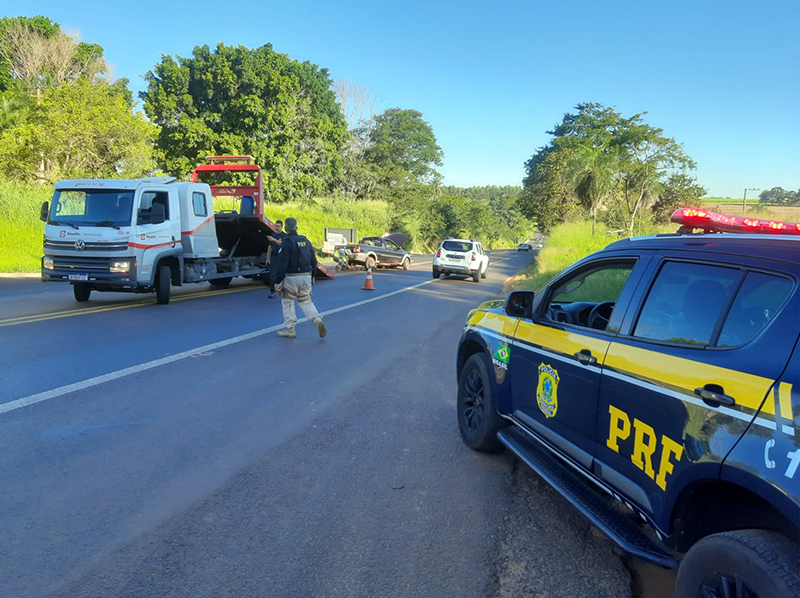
<point x="659" y="376"/>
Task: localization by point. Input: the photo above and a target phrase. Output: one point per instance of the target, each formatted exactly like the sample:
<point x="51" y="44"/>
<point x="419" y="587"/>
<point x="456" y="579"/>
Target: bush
<point x="21" y="230"/>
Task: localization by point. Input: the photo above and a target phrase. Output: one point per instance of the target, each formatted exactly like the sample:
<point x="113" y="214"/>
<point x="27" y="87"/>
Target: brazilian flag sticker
<point x="502" y="356"/>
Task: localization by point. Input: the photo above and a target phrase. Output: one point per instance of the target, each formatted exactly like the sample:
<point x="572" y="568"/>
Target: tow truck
<point x="147" y="235"/>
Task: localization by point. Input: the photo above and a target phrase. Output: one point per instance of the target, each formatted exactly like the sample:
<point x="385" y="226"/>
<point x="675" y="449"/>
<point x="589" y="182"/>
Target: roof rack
<point x="712" y="222"/>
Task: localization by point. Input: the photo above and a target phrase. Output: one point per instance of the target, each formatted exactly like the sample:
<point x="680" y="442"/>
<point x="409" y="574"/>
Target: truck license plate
<point x="79" y="277"/>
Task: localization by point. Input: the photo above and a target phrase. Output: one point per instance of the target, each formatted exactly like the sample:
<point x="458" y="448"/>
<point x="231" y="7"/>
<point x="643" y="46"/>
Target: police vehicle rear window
<point x="687" y="301"/>
<point x="757" y="303"/>
<point x="457" y="246"/>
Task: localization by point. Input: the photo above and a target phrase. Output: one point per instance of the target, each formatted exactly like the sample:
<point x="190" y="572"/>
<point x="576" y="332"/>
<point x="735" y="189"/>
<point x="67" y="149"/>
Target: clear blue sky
<point x="723" y="78"/>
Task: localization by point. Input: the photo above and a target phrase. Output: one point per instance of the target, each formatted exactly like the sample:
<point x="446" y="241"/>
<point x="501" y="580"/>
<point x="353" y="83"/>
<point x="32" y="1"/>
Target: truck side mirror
<point x="519" y="304"/>
<point x="45" y="211"/>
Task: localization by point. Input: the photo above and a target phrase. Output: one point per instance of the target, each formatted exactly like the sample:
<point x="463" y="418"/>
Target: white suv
<point x="461" y="256"/>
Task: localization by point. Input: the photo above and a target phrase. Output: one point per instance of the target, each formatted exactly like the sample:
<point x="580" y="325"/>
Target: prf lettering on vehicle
<point x="644" y="445"/>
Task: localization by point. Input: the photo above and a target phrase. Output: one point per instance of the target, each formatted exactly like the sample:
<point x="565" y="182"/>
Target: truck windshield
<point x="92" y="207"/>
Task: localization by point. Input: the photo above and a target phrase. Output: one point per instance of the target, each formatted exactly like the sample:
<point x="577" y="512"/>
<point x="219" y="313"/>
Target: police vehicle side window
<point x="587" y="298"/>
<point x="199" y="204"/>
<point x="758" y="301"/>
<point x="685" y="303"/>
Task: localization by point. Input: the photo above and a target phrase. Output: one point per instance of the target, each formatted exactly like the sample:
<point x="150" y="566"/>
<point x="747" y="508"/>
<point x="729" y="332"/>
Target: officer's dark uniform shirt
<point x="296" y="255"/>
<point x="276" y="248"/>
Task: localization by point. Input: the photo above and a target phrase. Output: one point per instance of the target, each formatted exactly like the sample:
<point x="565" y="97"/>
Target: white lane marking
<point x="84" y="384"/>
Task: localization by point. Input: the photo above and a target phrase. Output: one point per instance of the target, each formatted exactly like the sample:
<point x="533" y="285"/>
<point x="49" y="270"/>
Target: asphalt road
<point x="186" y="450"/>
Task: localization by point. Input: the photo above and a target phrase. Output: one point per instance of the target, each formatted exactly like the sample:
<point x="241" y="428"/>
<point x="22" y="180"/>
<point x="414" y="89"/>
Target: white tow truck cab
<point x="148" y="234"/>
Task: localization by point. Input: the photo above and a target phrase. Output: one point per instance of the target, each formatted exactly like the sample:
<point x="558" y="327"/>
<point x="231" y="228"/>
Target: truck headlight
<point x="119" y="267"/>
<point x="47" y="263"/>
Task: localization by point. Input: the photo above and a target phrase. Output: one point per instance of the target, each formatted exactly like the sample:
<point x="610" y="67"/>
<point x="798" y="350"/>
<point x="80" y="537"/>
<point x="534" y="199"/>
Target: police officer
<point x="272" y="254"/>
<point x="295" y="264"/>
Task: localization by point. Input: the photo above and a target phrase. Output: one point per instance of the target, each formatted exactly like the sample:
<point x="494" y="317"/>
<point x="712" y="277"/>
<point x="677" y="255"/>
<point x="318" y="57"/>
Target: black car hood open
<point x="398" y="238"/>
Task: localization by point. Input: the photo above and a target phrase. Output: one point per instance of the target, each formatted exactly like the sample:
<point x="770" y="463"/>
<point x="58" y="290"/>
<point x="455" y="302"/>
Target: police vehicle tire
<point x="406" y="264"/>
<point x="760" y="562"/>
<point x="223" y="282"/>
<point x="163" y="285"/>
<point x="476" y="276"/>
<point x="478" y="420"/>
<point x="81" y="292"/>
<point x="370" y="263"/>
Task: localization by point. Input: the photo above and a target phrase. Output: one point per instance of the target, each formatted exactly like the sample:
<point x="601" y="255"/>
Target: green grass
<point x="20" y="228"/>
<point x="565" y="245"/>
<point x="727" y="201"/>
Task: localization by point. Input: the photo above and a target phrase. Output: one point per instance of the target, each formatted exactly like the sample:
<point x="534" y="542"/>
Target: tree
<point x="357" y="104"/>
<point x="548" y="195"/>
<point x="81" y="130"/>
<point x="403" y="149"/>
<point x="37" y="54"/>
<point x="234" y="100"/>
<point x="600" y="159"/>
<point x="779" y="196"/>
<point x="680" y="191"/>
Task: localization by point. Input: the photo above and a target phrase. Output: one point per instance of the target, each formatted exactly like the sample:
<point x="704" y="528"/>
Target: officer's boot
<point x="287" y="333"/>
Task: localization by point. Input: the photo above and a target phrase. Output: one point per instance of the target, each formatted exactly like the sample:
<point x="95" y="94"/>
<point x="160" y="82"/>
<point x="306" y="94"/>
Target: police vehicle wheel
<point x="406" y="264"/>
<point x="163" y="285"/>
<point x="740" y="564"/>
<point x="81" y="292"/>
<point x="370" y="263"/>
<point x="478" y="420"/>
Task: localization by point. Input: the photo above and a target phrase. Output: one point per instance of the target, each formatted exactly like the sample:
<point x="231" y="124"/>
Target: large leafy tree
<point x="82" y="130"/>
<point x="59" y="117"/>
<point x="403" y="149"/>
<point x="235" y="100"/>
<point x="600" y="159"/>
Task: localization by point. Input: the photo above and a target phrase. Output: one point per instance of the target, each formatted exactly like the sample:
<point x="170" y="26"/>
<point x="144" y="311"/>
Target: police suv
<point x="663" y="372"/>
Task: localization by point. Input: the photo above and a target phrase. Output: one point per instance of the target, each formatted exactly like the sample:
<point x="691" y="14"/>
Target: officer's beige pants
<point x="297" y="287"/>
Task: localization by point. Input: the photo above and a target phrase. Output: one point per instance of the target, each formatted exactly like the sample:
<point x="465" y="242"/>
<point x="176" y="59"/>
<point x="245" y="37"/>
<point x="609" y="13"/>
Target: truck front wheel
<point x="163" y="285"/>
<point x="741" y="563"/>
<point x="81" y="291"/>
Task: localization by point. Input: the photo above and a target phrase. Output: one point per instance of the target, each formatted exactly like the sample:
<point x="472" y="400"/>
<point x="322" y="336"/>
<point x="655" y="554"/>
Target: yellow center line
<point x="95" y="310"/>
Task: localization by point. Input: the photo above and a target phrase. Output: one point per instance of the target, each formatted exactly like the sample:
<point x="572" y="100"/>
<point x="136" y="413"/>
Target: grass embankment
<point x="20" y="228"/>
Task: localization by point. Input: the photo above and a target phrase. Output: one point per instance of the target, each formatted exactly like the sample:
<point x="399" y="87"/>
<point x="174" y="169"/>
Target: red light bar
<point x="711" y="222"/>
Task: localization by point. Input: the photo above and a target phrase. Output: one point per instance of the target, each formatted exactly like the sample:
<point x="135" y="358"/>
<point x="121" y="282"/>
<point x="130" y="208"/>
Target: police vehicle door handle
<point x="714" y="395"/>
<point x="585" y="357"/>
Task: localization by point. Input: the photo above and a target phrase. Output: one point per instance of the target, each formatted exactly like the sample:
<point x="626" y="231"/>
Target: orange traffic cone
<point x="368" y="286"/>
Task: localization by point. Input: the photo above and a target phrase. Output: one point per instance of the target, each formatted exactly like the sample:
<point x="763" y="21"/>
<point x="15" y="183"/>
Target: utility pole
<point x="744" y="200"/>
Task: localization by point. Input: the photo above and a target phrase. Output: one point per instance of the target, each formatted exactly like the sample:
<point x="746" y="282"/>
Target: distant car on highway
<point x="524" y="247"/>
<point x="461" y="256"/>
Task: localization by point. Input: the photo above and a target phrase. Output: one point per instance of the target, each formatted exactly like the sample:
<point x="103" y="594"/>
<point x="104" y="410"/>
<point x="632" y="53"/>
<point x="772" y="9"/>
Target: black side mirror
<point x="519" y="304"/>
<point x="45" y="211"/>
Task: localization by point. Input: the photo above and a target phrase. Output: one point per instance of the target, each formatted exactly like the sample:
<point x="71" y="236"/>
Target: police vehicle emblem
<point x="547" y="391"/>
